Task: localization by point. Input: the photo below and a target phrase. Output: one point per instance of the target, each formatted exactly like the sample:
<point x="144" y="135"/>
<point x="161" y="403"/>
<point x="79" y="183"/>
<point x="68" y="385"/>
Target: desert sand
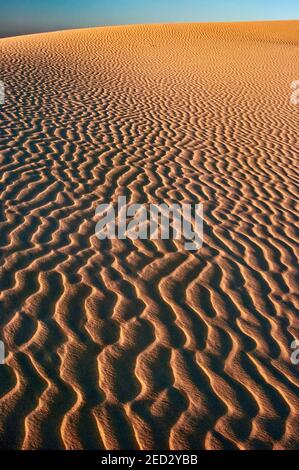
<point x="122" y="344"/>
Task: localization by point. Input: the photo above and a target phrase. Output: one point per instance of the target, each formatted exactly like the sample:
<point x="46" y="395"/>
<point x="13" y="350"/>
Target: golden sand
<point x="141" y="344"/>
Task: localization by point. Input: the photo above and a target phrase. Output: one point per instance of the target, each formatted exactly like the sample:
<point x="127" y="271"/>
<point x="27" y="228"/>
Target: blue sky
<point x="25" y="16"/>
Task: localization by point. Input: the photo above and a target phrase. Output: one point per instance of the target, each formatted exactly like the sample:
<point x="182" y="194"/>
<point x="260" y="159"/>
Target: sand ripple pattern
<point x="120" y="345"/>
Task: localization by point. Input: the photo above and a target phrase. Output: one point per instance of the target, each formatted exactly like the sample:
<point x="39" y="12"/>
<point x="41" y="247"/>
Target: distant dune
<point x="121" y="344"/>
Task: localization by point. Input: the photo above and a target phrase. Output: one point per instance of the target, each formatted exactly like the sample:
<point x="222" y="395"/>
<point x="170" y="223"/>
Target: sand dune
<point x="121" y="344"/>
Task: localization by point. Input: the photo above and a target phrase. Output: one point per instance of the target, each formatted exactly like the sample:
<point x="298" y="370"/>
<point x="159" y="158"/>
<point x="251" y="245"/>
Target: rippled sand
<point x="121" y="344"/>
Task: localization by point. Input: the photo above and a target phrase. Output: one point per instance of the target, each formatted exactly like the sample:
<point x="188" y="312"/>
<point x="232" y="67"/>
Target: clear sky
<point x="26" y="16"/>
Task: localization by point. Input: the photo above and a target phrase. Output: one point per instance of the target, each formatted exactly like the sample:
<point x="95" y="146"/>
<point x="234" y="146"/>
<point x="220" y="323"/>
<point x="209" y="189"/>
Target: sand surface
<point x="121" y="344"/>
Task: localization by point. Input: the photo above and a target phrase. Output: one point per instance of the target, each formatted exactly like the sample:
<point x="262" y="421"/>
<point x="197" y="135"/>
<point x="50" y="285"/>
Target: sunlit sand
<point x="123" y="344"/>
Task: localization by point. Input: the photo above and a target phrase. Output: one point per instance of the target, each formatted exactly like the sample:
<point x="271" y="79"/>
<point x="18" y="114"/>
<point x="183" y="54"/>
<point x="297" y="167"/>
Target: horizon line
<point x="149" y="24"/>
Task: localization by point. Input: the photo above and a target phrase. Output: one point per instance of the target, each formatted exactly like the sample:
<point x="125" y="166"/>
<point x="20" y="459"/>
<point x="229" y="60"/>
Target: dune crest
<point x="121" y="344"/>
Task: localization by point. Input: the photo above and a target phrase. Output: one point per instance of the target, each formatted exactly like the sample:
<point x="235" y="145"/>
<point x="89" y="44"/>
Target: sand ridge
<point x="121" y="344"/>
